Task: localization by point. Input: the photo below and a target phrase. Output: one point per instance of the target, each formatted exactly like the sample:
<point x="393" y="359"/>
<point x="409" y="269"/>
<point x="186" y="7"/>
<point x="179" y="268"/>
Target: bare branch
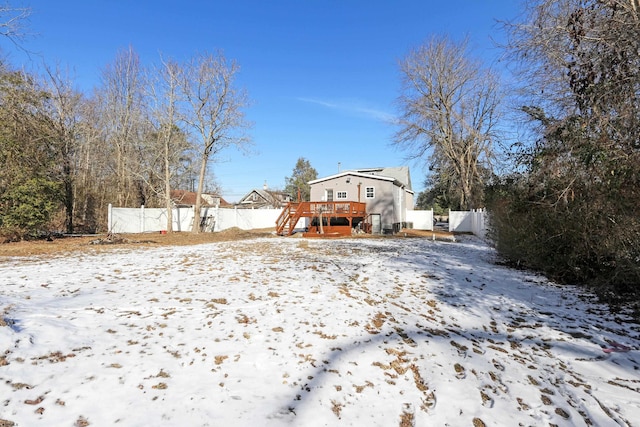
<point x="12" y="22"/>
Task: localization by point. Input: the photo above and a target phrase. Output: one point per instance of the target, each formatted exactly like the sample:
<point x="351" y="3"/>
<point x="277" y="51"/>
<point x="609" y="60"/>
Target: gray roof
<point x="398" y="173"/>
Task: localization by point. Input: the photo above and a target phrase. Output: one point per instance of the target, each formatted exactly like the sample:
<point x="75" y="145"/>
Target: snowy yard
<point x="287" y="331"/>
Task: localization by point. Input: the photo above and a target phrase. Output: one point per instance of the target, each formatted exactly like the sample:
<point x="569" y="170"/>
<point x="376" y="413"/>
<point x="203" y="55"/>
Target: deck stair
<point x="288" y="218"/>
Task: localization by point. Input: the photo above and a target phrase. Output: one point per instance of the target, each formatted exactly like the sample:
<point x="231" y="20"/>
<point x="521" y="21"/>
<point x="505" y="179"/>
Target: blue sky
<point x="322" y="74"/>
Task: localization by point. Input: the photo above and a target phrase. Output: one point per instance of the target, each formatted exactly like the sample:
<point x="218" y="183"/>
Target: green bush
<point x="26" y="208"/>
<point x="591" y="238"/>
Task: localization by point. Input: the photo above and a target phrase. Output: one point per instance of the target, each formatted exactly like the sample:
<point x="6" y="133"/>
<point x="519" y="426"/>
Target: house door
<point x="328" y="195"/>
<point x="376" y="227"/>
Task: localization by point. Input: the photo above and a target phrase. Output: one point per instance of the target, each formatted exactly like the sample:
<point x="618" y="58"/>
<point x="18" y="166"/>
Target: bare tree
<point x="164" y="94"/>
<point x="63" y="114"/>
<point x="122" y="123"/>
<point x="93" y="189"/>
<point x="553" y="39"/>
<point x="449" y="106"/>
<point x="214" y="112"/>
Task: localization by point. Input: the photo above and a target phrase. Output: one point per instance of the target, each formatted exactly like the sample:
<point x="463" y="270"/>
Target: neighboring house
<point x="387" y="193"/>
<point x="264" y="199"/>
<point x="183" y="198"/>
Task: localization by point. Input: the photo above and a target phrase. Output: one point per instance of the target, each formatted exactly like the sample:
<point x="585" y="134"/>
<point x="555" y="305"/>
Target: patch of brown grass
<point x="220" y="359"/>
<point x="407" y="418"/>
<point x="336" y="408"/>
<point x="66" y="245"/>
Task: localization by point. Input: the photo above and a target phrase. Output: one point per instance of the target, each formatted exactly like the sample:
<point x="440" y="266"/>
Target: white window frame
<point x="341" y="195"/>
<point x="373" y="192"/>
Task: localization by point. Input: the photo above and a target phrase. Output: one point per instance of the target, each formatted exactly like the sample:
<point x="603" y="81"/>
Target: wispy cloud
<point x="351" y="107"/>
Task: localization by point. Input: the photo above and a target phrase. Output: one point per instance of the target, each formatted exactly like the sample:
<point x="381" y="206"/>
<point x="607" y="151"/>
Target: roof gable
<point x="262" y="197"/>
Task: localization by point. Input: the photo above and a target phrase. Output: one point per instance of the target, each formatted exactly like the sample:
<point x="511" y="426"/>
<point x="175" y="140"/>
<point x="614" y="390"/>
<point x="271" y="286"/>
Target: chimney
<point x="264" y="187"/>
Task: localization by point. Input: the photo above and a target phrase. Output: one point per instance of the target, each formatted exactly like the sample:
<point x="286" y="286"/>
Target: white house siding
<point x="340" y="184"/>
<point x="384" y="205"/>
<point x="409" y="203"/>
<point x="399" y="214"/>
<point x="402" y="205"/>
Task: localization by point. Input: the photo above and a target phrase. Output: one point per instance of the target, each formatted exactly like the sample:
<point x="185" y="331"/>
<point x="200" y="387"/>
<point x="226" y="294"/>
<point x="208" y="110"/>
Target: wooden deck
<point x="327" y="218"/>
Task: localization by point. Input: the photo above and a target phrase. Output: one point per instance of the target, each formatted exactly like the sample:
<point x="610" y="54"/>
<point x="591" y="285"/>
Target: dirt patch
<point x="105" y="242"/>
<point x="429" y="234"/>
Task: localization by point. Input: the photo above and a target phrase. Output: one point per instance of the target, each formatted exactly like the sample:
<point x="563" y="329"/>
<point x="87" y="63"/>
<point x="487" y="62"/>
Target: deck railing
<point x="353" y="209"/>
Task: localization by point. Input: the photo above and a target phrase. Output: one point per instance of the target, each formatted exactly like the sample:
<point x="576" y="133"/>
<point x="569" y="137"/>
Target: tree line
<point x="570" y="209"/>
<point x="565" y="198"/>
<point x="144" y="131"/>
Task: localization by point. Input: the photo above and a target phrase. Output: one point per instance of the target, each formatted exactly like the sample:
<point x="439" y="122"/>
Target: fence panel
<point x="474" y="221"/>
<point x="182" y="219"/>
<point x="246" y="219"/>
<point x="126" y="220"/>
<point x="422" y="220"/>
<point x="460" y="221"/>
<point x="154" y="219"/>
<point x="479" y="223"/>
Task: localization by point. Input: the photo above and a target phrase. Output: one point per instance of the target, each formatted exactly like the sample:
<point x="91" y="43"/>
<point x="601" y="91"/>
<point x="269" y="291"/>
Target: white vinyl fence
<point x="421" y="220"/>
<point x="474" y="221"/>
<point x="146" y="220"/>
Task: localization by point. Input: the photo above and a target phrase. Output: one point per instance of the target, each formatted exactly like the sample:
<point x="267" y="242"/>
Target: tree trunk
<point x="196" y="213"/>
<point x="68" y="198"/>
<point x="167" y="188"/>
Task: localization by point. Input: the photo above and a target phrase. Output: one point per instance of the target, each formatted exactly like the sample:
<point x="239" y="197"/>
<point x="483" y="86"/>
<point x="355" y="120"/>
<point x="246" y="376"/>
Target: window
<point x="370" y="192"/>
<point x="341" y="195"/>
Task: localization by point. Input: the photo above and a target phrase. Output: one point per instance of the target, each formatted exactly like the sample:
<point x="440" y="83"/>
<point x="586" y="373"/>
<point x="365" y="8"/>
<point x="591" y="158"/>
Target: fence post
<point x="109" y="218"/>
<point x="473" y="221"/>
<point x="431" y="223"/>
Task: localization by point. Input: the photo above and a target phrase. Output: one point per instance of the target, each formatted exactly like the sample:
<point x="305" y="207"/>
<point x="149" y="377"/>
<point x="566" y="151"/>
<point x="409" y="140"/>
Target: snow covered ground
<point x="288" y="331"/>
